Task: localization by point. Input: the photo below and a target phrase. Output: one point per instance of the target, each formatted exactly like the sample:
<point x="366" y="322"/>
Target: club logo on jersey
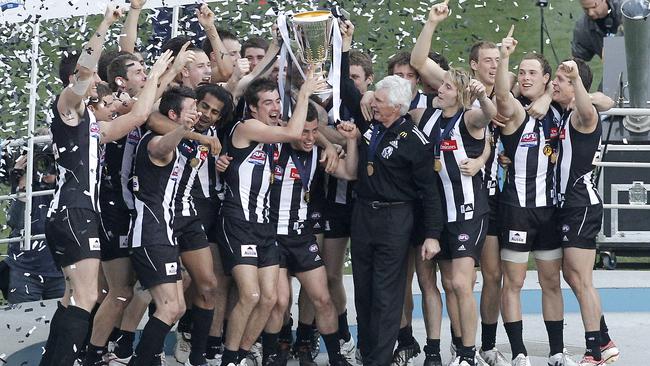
<point x="367" y="135"/>
<point x="278" y="171"/>
<point x="448" y="145"/>
<point x="517" y="237"/>
<point x="203" y="152"/>
<point x="258" y="157"/>
<point x="467" y="208"/>
<point x="565" y="228"/>
<point x="133" y="137"/>
<point x="94" y="130"/>
<point x="171" y="269"/>
<point x="529" y="139"/>
<point x="387" y="152"/>
<point x="175" y="171"/>
<point x="294" y="174"/>
<point x="93" y="243"/>
<point x="249" y="251"/>
<point x="313" y="248"/>
<point x="463" y="237"/>
<point x="554" y="132"/>
<point x="563" y="134"/>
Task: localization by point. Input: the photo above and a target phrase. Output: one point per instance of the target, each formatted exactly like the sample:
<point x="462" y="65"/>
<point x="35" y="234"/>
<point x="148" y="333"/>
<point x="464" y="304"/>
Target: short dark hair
<point x="175" y="44"/>
<point x="254" y="42"/>
<point x="440" y="60"/>
<point x="401" y="58"/>
<point x="172" y="99"/>
<point x="358" y="58"/>
<point x="251" y="95"/>
<point x="312" y="112"/>
<point x="223" y="34"/>
<point x="105" y="60"/>
<point x="478" y="46"/>
<point x="546" y="67"/>
<point x="584" y="71"/>
<point x="221" y="94"/>
<point x="118" y="68"/>
<point x="102" y="91"/>
<point x="67" y="66"/>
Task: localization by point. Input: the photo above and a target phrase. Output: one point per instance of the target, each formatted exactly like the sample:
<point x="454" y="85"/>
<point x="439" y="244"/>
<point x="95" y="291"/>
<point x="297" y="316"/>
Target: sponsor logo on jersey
<point x="565" y="238"/>
<point x="171" y="269"/>
<point x="313" y="248"/>
<point x="463" y="237"/>
<point x="294" y="174"/>
<point x="563" y="134"/>
<point x="517" y="237"/>
<point x="554" y="132"/>
<point x="94" y="130"/>
<point x="124" y="241"/>
<point x="258" y="157"/>
<point x="249" y="251"/>
<point x="317" y="258"/>
<point x="448" y="145"/>
<point x="175" y="171"/>
<point x="529" y="139"/>
<point x="133" y="137"/>
<point x="565" y="228"/>
<point x="394" y="143"/>
<point x="466" y="208"/>
<point x="315" y="216"/>
<point x="461" y="248"/>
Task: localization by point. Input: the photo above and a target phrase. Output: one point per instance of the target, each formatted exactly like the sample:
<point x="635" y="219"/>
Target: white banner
<point x="17" y="11"/>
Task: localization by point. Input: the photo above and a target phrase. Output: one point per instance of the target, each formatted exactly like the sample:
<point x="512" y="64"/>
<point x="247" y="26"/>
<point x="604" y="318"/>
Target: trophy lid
<point x="312" y="16"/>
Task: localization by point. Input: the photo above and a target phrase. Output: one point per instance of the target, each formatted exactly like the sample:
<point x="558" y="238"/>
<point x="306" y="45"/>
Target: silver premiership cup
<point x="312" y="31"/>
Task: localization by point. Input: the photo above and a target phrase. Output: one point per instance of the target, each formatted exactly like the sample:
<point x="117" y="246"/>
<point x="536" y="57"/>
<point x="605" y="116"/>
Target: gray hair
<point x="399" y="92"/>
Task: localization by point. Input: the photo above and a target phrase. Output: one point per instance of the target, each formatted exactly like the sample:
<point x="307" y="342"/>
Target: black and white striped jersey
<point x="206" y="184"/>
<point x="191" y="158"/>
<point x="289" y="208"/>
<point x="77" y="153"/>
<point x="574" y="171"/>
<point x="247" y="181"/>
<point x="154" y="188"/>
<point x="464" y="197"/>
<point x="530" y="176"/>
<point x="116" y="188"/>
<point x="491" y="169"/>
<point x="421" y="100"/>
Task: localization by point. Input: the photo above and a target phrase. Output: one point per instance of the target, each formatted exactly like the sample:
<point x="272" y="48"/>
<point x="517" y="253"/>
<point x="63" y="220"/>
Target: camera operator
<point x="32" y="273"/>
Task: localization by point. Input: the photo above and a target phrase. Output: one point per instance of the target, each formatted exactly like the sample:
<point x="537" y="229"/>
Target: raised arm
<point x="70" y="102"/>
<point x="161" y="148"/>
<point x="127" y="41"/>
<point x="430" y="72"/>
<point x="161" y="124"/>
<point x="259" y="71"/>
<point x="586" y="118"/>
<point x="478" y="119"/>
<point x="507" y="106"/>
<point x="119" y="127"/>
<point x="601" y="101"/>
<point x="348" y="170"/>
<point x="223" y="65"/>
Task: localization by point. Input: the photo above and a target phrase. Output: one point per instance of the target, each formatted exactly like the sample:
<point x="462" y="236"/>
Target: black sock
<point x="47" y="360"/>
<point x="592" y="339"/>
<point x="94" y="355"/>
<point x="229" y="357"/>
<point x="333" y="346"/>
<point x="201" y="321"/>
<point x="488" y="336"/>
<point x="466" y="354"/>
<point x="515" y="337"/>
<point x="344" y="328"/>
<point x="555" y="330"/>
<point x="286" y="336"/>
<point x="241" y="354"/>
<point x="405" y="336"/>
<point x="185" y="322"/>
<point x="151" y="342"/>
<point x="304" y="334"/>
<point x="225" y="331"/>
<point x="455" y="340"/>
<point x="214" y="347"/>
<point x="269" y="344"/>
<point x="124" y="344"/>
<point x="604" y="332"/>
<point x="115" y="334"/>
<point x="432" y="347"/>
<point x="86" y="342"/>
<point x="72" y="332"/>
